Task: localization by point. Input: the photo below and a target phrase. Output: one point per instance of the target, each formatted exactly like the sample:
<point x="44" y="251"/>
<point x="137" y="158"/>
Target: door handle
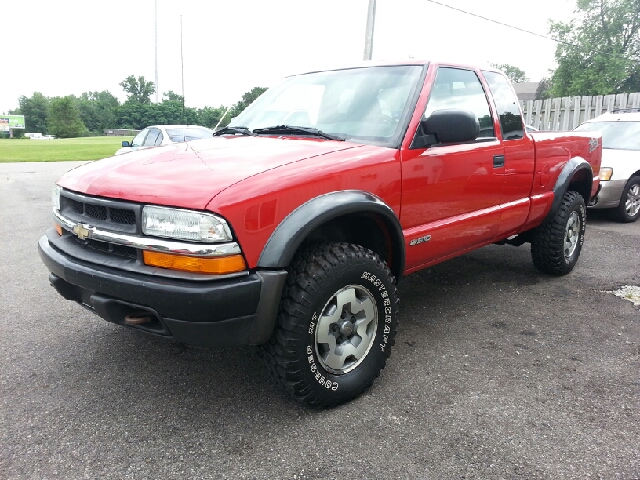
<point x="498" y="161"/>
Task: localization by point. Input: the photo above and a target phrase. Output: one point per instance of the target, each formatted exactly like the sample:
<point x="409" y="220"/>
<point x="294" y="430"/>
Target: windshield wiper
<point x="240" y="130"/>
<point x="275" y="129"/>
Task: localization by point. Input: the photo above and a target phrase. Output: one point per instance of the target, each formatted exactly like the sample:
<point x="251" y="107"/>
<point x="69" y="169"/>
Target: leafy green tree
<point x="98" y="110"/>
<point x="600" y="49"/>
<point x="209" y="117"/>
<point x="138" y="90"/>
<point x="36" y="112"/>
<point x="133" y="115"/>
<point x="172" y="97"/>
<point x="246" y="100"/>
<point x="64" y="118"/>
<point x="513" y="73"/>
<point x="542" y="92"/>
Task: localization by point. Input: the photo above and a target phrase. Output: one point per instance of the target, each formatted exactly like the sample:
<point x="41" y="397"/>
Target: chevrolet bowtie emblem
<point x="81" y="232"/>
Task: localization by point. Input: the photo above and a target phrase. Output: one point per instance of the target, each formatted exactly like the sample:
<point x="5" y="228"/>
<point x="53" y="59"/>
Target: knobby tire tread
<point x="546" y="238"/>
<point x="279" y="354"/>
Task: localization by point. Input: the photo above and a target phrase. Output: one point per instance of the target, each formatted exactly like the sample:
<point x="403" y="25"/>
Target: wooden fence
<point x="566" y="113"/>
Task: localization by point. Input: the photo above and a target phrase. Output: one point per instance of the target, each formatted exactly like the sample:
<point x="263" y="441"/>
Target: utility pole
<point x="182" y="70"/>
<point x="368" y="37"/>
<point x="156" y="23"/>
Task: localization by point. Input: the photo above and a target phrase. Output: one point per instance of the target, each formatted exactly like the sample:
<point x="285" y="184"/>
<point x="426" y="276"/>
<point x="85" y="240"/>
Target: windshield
<point x="186" y="134"/>
<point x="367" y="104"/>
<point x="616" y="135"/>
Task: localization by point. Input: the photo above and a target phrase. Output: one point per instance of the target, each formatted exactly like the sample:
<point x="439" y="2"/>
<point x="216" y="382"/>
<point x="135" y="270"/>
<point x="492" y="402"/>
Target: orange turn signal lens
<point x="605" y="173"/>
<point x="218" y="266"/>
<point x="58" y="229"/>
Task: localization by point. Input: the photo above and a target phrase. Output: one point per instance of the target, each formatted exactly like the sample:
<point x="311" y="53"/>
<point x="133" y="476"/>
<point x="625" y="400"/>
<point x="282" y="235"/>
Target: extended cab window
<point x="459" y="89"/>
<point x="507" y="105"/>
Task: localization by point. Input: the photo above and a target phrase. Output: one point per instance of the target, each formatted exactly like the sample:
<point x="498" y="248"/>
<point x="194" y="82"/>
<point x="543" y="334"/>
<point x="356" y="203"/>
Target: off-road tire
<point x="628" y="202"/>
<point x="556" y="244"/>
<point x="294" y="356"/>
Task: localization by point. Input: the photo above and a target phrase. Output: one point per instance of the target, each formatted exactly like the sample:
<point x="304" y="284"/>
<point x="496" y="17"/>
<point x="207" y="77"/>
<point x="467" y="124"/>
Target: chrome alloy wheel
<point x="571" y="234"/>
<point x="632" y="202"/>
<point x="346" y="329"/>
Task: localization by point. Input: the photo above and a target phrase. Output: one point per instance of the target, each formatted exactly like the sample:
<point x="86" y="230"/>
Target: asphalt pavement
<point x="498" y="372"/>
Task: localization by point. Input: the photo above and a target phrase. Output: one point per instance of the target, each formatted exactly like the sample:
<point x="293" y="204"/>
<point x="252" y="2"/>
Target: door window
<point x="460" y="89"/>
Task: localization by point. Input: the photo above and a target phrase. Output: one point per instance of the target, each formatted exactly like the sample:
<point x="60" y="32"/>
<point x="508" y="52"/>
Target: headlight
<point x="605" y="173"/>
<point x="184" y="225"/>
<point x="55" y="198"/>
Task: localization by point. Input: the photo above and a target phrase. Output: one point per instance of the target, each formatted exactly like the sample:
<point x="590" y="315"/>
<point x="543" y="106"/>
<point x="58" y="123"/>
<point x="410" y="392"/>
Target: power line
<point x="580" y="48"/>
<point x="502" y="23"/>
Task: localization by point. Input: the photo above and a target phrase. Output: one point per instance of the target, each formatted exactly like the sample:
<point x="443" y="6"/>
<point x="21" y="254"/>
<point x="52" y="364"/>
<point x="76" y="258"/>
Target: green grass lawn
<point x="59" y="150"/>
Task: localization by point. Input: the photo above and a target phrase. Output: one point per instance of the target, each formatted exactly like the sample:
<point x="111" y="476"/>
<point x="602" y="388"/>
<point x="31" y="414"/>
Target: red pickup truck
<point x="291" y="227"/>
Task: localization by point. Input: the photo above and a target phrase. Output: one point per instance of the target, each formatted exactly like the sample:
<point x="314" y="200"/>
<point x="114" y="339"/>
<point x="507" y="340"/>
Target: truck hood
<point x="190" y="174"/>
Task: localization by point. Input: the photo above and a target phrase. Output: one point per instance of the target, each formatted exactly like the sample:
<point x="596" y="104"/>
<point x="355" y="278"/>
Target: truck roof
<point x="386" y="63"/>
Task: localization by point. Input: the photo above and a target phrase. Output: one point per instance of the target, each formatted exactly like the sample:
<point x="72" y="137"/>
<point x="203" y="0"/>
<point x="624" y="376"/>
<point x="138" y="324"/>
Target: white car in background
<point x="158" y="135"/>
<point x="620" y="170"/>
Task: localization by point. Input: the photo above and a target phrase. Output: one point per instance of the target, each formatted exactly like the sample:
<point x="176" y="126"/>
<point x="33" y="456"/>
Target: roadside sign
<point x="11" y="122"/>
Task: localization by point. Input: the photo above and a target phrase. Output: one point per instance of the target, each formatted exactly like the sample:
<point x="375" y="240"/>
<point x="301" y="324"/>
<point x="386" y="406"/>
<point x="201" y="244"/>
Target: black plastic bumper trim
<point x="230" y="312"/>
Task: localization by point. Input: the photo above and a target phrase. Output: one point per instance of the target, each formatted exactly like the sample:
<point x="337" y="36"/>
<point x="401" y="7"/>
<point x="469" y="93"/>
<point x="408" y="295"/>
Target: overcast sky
<point x="63" y="47"/>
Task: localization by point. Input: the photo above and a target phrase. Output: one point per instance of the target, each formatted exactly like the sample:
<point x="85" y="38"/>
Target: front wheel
<point x="336" y="324"/>
<point x="629" y="209"/>
<point x="556" y="244"/>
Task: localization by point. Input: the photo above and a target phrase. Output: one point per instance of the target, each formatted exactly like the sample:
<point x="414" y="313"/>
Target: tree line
<point x="93" y="112"/>
<point x="598" y="51"/>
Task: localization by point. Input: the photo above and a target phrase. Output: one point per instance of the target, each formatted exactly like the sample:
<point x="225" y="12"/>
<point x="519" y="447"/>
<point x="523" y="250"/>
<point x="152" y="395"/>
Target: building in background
<point x="526" y="90"/>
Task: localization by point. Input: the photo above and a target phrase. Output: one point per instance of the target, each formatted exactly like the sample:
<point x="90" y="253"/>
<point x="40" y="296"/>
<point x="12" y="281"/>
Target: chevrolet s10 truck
<point x="290" y="228"/>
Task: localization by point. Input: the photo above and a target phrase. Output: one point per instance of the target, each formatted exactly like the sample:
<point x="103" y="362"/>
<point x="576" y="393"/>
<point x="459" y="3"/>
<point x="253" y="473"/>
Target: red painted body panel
<point x="444" y="189"/>
<point x="453" y="193"/>
<point x="552" y="151"/>
<point x="188" y="175"/>
<point x="258" y="204"/>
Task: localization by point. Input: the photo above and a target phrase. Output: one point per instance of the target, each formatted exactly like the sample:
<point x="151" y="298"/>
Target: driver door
<point x="451" y="192"/>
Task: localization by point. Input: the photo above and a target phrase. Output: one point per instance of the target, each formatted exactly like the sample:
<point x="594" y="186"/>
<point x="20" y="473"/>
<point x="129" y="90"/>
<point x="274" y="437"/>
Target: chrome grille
<point x="114" y="215"/>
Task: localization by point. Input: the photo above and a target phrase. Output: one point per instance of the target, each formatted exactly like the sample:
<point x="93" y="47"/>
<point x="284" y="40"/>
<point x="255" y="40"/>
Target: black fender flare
<point x="291" y="232"/>
<point x="568" y="173"/>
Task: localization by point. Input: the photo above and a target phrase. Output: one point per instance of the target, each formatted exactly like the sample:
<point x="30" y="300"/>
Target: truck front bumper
<point x="217" y="313"/>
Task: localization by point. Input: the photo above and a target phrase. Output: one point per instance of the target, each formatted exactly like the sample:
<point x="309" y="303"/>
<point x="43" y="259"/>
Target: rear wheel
<point x="629" y="209"/>
<point x="556" y="244"/>
<point x="336" y="324"/>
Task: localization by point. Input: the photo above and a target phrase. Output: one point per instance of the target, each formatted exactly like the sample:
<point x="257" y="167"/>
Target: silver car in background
<point x="620" y="170"/>
<point x="157" y="135"/>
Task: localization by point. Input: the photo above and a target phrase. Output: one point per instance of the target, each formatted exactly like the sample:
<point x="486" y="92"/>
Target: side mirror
<point x="125" y="144"/>
<point x="448" y="126"/>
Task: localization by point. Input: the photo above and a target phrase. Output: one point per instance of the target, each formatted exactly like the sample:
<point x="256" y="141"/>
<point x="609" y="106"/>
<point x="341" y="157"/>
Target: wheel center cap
<point x="346" y="328"/>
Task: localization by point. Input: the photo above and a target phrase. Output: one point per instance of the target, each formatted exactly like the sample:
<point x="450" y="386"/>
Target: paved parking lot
<point x="498" y="372"/>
